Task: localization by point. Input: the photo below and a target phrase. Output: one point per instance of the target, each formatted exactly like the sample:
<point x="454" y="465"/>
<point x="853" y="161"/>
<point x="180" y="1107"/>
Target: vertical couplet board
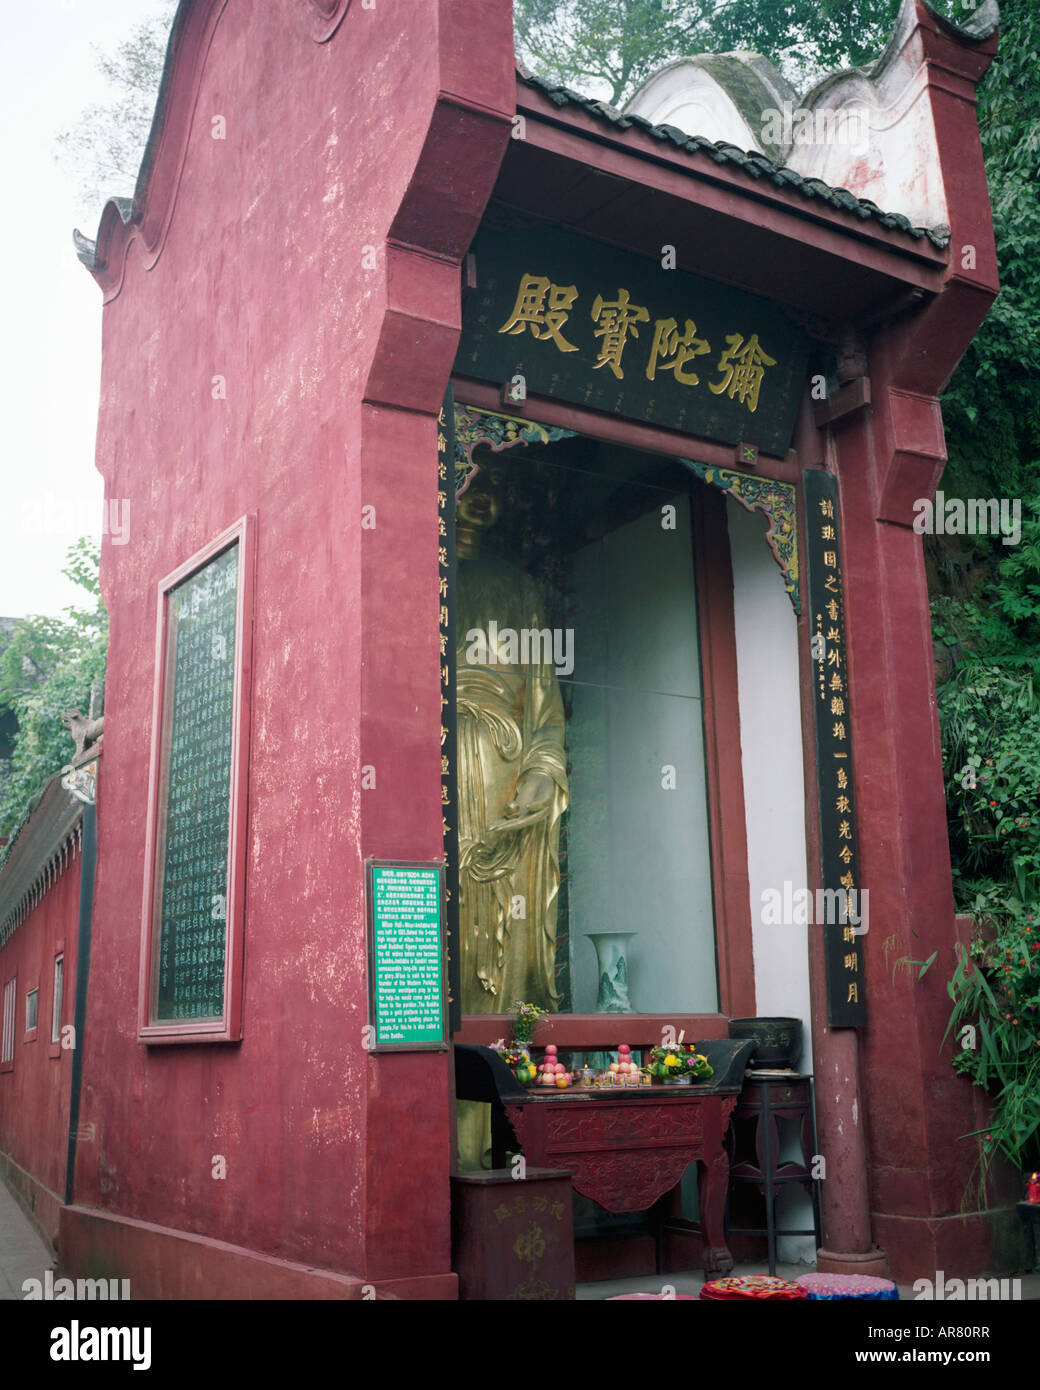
<point x="406" y="955"/>
<point x="449" y="724"/>
<point x="191" y="961"/>
<point x="839" y="854"/>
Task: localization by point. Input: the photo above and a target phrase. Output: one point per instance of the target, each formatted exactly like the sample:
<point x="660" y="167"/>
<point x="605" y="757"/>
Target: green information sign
<point x="406" y="956"/>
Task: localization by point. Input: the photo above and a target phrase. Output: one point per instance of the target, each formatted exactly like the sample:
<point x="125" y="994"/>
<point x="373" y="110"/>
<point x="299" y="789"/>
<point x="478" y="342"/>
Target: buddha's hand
<point x="532" y="803"/>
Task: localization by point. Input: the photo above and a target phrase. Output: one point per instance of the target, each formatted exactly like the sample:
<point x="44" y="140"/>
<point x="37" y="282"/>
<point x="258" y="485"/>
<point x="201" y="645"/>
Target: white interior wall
<point x="638" y="849"/>
<point x="771" y="754"/>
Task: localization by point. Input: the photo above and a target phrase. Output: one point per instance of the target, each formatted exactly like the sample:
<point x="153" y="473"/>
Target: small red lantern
<point x="1033" y="1188"/>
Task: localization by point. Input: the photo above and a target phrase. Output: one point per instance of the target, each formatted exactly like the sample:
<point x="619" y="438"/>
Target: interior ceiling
<point x="535" y="183"/>
<point x="574" y="490"/>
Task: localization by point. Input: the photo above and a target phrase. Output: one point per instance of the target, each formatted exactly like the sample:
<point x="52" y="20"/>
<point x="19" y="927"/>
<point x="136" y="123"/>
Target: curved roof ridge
<point x="983" y="22"/>
<point x="147" y="214"/>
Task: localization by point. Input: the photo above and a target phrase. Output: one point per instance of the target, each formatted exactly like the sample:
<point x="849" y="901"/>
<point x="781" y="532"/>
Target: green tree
<point x="103" y="150"/>
<point x="47" y="666"/>
<point x="986" y="610"/>
<point x="986" y="596"/>
<point x="993" y="396"/>
<point x="619" y="43"/>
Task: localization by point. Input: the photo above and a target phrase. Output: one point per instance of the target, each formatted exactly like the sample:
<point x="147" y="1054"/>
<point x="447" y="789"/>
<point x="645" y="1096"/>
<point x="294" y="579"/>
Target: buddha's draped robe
<point x="510" y="722"/>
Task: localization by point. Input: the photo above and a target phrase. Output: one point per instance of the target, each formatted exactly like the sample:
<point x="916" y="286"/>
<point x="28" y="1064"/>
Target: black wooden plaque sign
<point x="845" y="928"/>
<point x="195" y="791"/>
<point x="449" y="724"/>
<point x="618" y="332"/>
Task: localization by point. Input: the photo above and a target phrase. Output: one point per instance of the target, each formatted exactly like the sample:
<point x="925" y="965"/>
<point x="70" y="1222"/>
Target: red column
<point x="898" y="1118"/>
<point x="890" y="1108"/>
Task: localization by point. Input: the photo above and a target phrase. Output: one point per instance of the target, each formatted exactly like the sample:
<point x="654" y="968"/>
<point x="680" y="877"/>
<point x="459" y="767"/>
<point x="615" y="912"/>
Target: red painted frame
<point x="727" y="824"/>
<point x="54" y="1046"/>
<point x="31" y="1034"/>
<point x="228" y="1028"/>
<point x="9" y="1064"/>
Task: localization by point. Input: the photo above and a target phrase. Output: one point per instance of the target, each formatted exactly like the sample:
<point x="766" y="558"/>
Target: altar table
<point x="628" y="1147"/>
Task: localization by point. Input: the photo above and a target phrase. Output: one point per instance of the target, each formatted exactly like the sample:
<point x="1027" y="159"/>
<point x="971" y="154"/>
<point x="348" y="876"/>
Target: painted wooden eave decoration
<point x="878" y="146"/>
<point x="776" y="500"/>
<point x="778" y="503"/>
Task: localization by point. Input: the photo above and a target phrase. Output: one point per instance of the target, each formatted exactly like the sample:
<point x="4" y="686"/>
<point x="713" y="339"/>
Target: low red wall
<point x="34" y="1095"/>
<point x="167" y="1264"/>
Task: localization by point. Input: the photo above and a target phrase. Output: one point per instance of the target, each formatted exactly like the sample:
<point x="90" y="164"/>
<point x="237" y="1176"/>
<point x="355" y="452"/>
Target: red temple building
<point x="522" y="601"/>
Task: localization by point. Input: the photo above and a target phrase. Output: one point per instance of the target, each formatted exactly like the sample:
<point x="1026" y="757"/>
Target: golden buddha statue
<point x="512" y="785"/>
<point x="512" y="770"/>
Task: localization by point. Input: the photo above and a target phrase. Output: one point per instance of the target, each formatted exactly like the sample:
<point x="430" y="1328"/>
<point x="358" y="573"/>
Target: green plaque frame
<point x="407" y="969"/>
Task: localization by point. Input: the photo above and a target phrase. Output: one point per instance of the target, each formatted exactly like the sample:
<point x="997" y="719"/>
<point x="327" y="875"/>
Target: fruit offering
<point x="519" y="1063"/>
<point x="552" y="1072"/>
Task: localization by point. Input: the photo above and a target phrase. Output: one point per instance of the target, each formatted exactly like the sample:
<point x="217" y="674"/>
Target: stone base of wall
<point x="991" y="1242"/>
<point x="162" y="1263"/>
<point x="40" y="1204"/>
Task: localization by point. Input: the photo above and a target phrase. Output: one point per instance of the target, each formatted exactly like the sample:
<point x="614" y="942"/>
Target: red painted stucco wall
<point x="261" y="258"/>
<point x="34" y="1095"/>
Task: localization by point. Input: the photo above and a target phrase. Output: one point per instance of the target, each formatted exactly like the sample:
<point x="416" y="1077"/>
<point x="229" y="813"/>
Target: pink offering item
<point x="859" y="1286"/>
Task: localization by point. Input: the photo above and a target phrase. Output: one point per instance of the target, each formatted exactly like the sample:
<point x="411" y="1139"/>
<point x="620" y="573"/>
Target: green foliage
<point x="991" y="759"/>
<point x="990" y="707"/>
<point x="990" y="716"/>
<point x="993" y="394"/>
<point x="995" y="991"/>
<point x="47" y="666"/>
<point x="619" y="43"/>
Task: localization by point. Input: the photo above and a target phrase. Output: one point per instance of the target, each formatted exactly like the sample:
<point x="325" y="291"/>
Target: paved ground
<point x="23" y="1254"/>
<point x="688" y="1282"/>
<point x="691" y="1281"/>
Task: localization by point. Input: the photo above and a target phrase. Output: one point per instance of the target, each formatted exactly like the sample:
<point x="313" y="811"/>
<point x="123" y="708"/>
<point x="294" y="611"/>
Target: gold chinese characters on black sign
<point x="446" y="629"/>
<point x="845" y="916"/>
<point x="618" y="332"/>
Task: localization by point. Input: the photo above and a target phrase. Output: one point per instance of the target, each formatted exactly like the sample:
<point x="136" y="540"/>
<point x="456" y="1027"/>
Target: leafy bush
<point x="990" y="715"/>
<point x="995" y="991"/>
<point x="989" y="709"/>
<point x="47" y="666"/>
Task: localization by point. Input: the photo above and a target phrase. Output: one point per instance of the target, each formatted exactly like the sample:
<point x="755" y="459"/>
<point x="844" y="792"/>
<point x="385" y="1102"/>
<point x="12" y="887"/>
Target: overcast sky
<point x="50" y="348"/>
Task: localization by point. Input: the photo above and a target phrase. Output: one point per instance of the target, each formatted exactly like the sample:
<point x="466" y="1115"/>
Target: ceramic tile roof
<point x="40" y="848"/>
